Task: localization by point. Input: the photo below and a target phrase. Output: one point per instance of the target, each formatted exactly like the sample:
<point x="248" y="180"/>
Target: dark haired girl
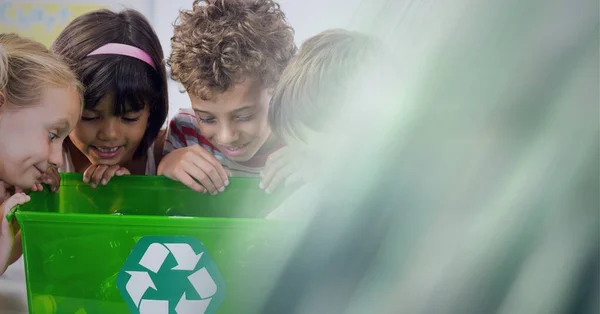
<point x="119" y="59"/>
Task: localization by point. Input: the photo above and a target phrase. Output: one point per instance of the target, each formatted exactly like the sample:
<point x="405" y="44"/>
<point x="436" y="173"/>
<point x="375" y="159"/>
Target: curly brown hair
<point x="219" y="43"/>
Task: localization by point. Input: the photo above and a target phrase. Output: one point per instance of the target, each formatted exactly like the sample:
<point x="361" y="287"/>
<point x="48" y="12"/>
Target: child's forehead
<point x="231" y="107"/>
<point x="246" y="95"/>
<point x="248" y="89"/>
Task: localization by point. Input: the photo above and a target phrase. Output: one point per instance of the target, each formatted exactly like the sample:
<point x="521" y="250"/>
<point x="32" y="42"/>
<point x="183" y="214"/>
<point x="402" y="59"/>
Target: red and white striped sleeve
<point x="182" y="131"/>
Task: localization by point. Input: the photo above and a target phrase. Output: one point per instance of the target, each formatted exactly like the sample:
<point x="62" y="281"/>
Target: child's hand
<point x="101" y="174"/>
<point x="195" y="167"/>
<point x="283" y="167"/>
<point x="9" y="252"/>
<point x="51" y="178"/>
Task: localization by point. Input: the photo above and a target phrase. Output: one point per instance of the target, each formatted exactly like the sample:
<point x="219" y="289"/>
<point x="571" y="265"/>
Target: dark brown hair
<point x="133" y="82"/>
<point x="219" y="43"/>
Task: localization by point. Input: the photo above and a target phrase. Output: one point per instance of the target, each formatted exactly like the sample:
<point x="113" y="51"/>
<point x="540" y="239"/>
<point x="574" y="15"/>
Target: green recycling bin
<point x="147" y="244"/>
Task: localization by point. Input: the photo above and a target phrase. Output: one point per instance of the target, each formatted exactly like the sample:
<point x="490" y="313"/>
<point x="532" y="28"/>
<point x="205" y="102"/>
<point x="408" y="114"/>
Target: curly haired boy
<point x="228" y="55"/>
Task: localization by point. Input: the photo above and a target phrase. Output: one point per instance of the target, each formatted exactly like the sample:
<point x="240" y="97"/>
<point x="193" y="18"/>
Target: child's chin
<point x="239" y="158"/>
<point x="108" y="162"/>
<point x="247" y="155"/>
<point x="26" y="183"/>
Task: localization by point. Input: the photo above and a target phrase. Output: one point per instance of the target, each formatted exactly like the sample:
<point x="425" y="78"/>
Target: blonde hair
<point x="312" y="87"/>
<point x="27" y="67"/>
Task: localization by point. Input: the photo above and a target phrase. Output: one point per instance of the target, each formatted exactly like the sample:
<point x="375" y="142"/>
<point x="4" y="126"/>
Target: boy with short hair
<point x="228" y="55"/>
<point x="310" y="97"/>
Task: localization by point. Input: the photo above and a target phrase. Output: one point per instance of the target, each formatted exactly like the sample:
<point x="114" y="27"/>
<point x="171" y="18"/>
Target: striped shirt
<point x="183" y="131"/>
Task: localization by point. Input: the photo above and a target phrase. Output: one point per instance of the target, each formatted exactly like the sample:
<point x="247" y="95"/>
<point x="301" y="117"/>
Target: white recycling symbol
<point x="187" y="259"/>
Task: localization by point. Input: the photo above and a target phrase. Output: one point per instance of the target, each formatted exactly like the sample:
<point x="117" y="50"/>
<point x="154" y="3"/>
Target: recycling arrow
<point x="138" y="284"/>
<point x="185" y="306"/>
<point x="149" y="288"/>
<point x="154" y="307"/>
<point x="184" y="255"/>
<point x="203" y="283"/>
<point x="154" y="257"/>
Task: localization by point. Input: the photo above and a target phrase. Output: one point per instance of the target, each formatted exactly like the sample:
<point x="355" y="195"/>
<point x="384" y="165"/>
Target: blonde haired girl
<point x="40" y="102"/>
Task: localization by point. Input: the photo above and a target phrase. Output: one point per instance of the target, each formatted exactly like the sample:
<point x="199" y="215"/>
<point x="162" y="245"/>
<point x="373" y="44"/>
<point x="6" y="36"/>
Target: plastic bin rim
<point x="131" y="220"/>
<point x="76" y="179"/>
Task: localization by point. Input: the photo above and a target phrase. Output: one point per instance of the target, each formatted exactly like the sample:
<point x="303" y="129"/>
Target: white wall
<point x="309" y="17"/>
<point x="165" y="13"/>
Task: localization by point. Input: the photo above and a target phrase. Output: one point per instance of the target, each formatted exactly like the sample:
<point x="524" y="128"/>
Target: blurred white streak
<point x="464" y="178"/>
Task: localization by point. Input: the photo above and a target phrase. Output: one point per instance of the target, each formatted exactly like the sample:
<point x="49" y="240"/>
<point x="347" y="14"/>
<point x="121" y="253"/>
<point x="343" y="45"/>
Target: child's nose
<point x="109" y="130"/>
<point x="228" y="135"/>
<point x="56" y="156"/>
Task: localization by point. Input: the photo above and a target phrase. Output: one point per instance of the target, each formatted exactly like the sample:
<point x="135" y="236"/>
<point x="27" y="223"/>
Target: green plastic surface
<point x="76" y="241"/>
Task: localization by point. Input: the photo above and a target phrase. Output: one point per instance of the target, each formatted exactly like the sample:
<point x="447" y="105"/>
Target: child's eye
<point x="53" y="136"/>
<point x="206" y="120"/>
<point x="126" y="119"/>
<point x="246" y="118"/>
<point x="88" y="118"/>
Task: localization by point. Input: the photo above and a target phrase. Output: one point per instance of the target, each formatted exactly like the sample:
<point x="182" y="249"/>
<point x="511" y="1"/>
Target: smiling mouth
<point x="234" y="150"/>
<point x="41" y="173"/>
<point x="105" y="152"/>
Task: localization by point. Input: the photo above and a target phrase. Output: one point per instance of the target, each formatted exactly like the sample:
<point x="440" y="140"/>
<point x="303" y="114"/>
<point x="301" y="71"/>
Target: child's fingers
<point x="277" y="178"/>
<point x="7" y="249"/>
<point x="123" y="171"/>
<point x="187" y="180"/>
<point x="33" y="188"/>
<point x="11" y="202"/>
<point x="87" y="174"/>
<point x="271" y="170"/>
<point x="51" y="178"/>
<point x="96" y="177"/>
<point x="109" y="173"/>
<point x="200" y="175"/>
<point x="47" y="179"/>
<point x="223" y="173"/>
<point x="214" y="181"/>
<point x="212" y="160"/>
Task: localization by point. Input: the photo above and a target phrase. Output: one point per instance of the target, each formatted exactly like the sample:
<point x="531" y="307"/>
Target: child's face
<point x="106" y="139"/>
<point x="31" y="137"/>
<point x="235" y="121"/>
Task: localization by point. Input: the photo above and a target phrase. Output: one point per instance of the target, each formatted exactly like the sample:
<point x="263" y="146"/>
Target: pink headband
<point x="124" y="50"/>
